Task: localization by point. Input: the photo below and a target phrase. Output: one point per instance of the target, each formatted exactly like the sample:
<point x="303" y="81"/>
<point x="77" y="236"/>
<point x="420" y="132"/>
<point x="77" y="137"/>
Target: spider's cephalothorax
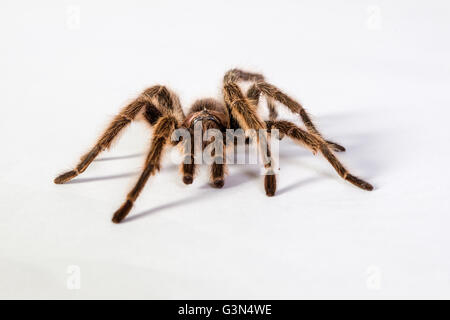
<point x="161" y="108"/>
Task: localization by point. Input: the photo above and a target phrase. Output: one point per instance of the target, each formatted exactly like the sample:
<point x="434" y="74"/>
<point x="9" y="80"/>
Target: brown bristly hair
<point x="315" y="144"/>
<point x="161" y="137"/>
<point x="244" y="111"/>
<point x="162" y="110"/>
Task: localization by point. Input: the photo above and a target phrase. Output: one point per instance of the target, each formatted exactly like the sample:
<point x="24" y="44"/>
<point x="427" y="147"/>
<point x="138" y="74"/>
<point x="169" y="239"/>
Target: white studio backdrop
<point x="373" y="74"/>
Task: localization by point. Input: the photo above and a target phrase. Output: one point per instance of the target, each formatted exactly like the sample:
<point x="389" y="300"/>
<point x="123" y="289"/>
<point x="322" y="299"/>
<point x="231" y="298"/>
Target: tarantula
<point x="161" y="108"/>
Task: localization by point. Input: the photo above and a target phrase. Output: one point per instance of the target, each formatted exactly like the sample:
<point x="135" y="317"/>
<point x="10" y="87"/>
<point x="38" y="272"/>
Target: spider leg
<point x="129" y="113"/>
<point x="245" y="113"/>
<point x="120" y="121"/>
<point x="253" y="94"/>
<point x="218" y="169"/>
<point x="272" y="93"/>
<point x="161" y="137"/>
<point x="275" y="93"/>
<point x="188" y="167"/>
<point x="315" y="144"/>
<point x="235" y="75"/>
<point x="218" y="174"/>
<point x="335" y="146"/>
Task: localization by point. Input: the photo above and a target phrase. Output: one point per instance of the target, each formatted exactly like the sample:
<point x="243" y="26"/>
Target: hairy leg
<point x="161" y="138"/>
<point x="315" y="144"/>
<point x="188" y="166"/>
<point x="235" y="75"/>
<point x="273" y="93"/>
<point x="154" y="95"/>
<point x="218" y="174"/>
<point x="120" y="121"/>
<point x="245" y="113"/>
<point x="253" y="94"/>
<point x="218" y="169"/>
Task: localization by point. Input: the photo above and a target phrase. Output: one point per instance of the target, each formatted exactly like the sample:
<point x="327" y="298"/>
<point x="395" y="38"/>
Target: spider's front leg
<point x="218" y="167"/>
<point x="245" y="113"/>
<point x="160" y="94"/>
<point x="188" y="167"/>
<point x="161" y="137"/>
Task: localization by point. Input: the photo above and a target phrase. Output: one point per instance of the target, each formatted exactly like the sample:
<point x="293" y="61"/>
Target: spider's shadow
<point x="297" y="184"/>
<point x="231" y="181"/>
<point x="355" y="144"/>
<point x="236" y="179"/>
<point x="188" y="200"/>
<point x="172" y="204"/>
<point x="109" y="177"/>
<point x="134" y="155"/>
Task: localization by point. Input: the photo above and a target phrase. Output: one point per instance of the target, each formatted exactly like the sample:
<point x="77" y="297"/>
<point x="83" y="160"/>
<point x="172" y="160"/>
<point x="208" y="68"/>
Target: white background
<point x="374" y="75"/>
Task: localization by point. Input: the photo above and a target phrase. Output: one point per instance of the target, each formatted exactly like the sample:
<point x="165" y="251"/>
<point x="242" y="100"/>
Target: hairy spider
<point x="161" y="108"/>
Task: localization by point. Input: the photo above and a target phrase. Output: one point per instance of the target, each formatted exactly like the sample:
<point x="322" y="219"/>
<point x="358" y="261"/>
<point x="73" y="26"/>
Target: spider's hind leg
<point x="244" y="111"/>
<point x="273" y="94"/>
<point x="253" y="95"/>
<point x="335" y="146"/>
<point x="316" y="144"/>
